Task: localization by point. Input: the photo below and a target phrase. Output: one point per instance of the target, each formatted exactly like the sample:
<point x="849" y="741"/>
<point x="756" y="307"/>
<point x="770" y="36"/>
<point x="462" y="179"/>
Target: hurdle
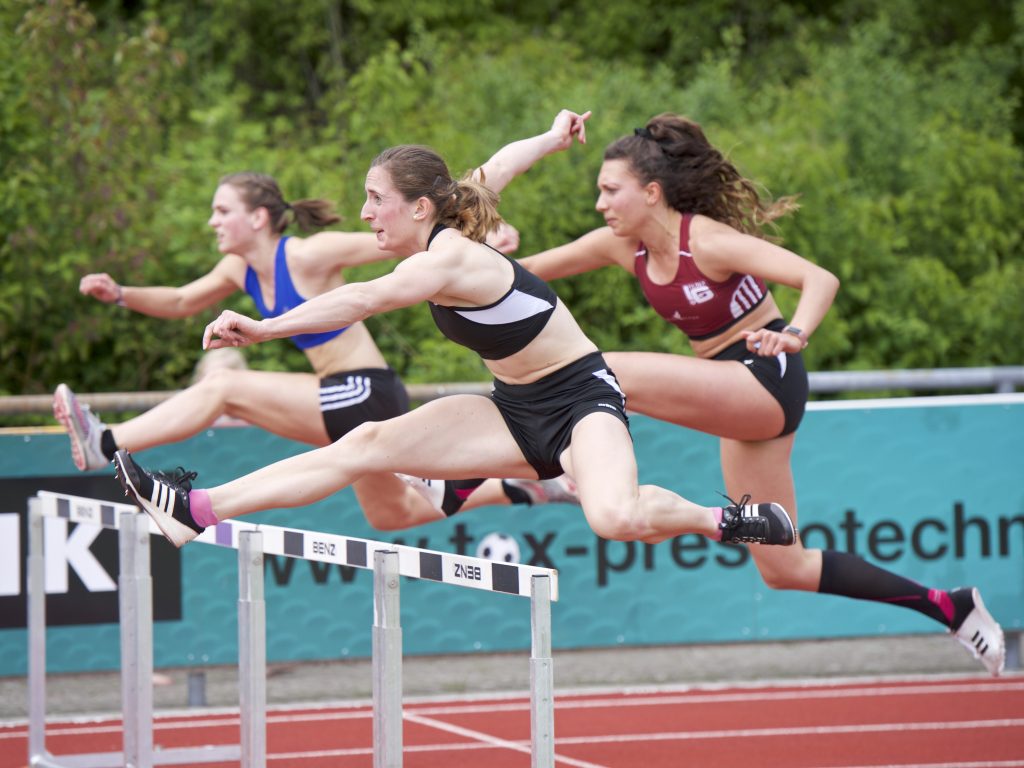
<point x="252" y="541"/>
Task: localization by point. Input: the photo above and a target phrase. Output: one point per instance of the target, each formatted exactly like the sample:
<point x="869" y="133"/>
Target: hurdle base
<point x="84" y="760"/>
<point x="179" y="755"/>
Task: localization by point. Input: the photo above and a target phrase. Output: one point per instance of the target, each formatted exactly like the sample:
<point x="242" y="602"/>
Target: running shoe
<point x="979" y="632"/>
<point x="756" y="523"/>
<point x="83" y="427"/>
<point x="164" y="497"/>
<point x="431" y="490"/>
<point x="557" y="490"/>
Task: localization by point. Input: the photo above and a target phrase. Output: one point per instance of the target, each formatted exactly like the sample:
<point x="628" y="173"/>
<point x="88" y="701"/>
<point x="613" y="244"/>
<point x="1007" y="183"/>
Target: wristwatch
<point x="796" y="332"/>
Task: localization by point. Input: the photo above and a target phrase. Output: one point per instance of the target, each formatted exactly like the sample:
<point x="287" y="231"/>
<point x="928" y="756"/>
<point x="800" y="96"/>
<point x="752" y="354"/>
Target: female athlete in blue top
<point x="351" y="383"/>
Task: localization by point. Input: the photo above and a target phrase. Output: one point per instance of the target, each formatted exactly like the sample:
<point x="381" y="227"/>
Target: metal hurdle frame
<point x="253" y="541"/>
<point x="135" y="601"/>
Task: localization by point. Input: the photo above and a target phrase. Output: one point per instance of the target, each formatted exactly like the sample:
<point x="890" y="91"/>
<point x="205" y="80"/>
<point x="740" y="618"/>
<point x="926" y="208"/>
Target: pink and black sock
<point x="851" y="576"/>
<point x="201" y="508"/>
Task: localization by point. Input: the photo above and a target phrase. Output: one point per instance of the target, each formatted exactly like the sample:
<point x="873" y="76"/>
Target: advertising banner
<point x="927" y="487"/>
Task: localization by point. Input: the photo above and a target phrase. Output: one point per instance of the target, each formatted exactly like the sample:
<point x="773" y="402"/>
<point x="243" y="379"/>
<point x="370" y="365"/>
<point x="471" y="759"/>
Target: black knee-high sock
<point x="456" y="492"/>
<point x="850" y="576"/>
<point x="107" y="444"/>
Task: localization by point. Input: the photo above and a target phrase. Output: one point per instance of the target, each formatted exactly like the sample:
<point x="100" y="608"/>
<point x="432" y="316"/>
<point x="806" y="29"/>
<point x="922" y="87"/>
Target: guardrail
<point x="1000" y="379"/>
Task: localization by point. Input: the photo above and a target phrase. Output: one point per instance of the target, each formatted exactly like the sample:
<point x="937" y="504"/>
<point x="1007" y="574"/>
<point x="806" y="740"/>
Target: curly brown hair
<point x="694" y="176"/>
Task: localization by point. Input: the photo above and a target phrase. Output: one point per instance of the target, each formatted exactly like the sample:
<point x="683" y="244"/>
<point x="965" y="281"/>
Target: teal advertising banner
<point x="929" y="487"/>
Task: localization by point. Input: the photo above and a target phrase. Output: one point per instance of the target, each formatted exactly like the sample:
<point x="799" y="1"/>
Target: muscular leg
<point x="762" y="469"/>
<point x="286" y="404"/>
<point x="602" y="461"/>
<point x="457" y="436"/>
<point x="716" y="397"/>
<point x="723" y="399"/>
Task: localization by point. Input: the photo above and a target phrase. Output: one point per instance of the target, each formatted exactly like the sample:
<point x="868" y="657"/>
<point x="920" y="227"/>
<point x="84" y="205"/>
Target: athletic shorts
<point x="541" y="415"/>
<point x="349" y="398"/>
<point x="784" y="376"/>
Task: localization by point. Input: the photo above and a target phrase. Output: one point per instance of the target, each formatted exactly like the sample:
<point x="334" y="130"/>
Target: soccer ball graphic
<point x="500" y="547"/>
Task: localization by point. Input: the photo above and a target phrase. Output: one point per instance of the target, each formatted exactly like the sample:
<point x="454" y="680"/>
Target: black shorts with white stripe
<point x="350" y="398"/>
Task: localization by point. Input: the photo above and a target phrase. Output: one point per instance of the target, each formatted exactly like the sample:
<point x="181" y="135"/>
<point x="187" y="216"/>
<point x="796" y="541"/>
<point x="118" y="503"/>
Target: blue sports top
<point x="285" y="298"/>
<point x="501" y="329"/>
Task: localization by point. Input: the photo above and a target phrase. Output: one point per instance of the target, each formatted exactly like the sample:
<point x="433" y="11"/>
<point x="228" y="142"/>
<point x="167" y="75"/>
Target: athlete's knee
<point x="780" y="579"/>
<point x="395" y="511"/>
<point x="616" y="521"/>
<point x="363" y="439"/>
<point x="794" y="572"/>
<point x="217" y="384"/>
<point x="382" y="518"/>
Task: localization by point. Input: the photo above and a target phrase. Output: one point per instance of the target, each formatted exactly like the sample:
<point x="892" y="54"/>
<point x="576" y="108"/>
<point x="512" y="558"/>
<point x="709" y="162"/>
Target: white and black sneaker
<point x="979" y="632"/>
<point x="756" y="523"/>
<point x="83" y="427"/>
<point x="164" y="497"/>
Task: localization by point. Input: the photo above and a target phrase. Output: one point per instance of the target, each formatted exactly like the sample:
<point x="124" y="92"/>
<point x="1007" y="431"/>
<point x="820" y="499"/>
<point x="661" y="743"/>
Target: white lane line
<point x="811" y="730"/>
<point x="490" y="740"/>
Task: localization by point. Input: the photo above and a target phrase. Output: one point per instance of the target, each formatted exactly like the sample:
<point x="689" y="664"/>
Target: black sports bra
<point x="501" y="329"/>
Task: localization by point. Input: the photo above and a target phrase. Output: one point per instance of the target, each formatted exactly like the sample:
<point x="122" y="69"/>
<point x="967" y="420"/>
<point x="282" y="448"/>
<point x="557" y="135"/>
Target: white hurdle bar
<point x="253" y="541"/>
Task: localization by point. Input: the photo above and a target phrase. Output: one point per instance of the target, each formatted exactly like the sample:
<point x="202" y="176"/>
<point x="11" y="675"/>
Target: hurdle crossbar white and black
<point x="253" y="541"/>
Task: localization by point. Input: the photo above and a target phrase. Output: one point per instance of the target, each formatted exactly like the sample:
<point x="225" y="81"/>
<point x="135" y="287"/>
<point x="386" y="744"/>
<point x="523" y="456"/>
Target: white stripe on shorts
<point x="355" y="390"/>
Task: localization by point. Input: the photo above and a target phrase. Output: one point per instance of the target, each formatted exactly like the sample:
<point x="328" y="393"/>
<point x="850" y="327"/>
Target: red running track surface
<point x="947" y="723"/>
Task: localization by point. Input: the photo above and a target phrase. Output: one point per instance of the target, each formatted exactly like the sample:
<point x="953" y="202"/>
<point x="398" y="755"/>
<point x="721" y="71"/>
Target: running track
<point x="962" y="722"/>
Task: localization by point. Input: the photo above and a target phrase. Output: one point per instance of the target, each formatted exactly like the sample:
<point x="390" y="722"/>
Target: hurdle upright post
<point x="36" y="631"/>
<point x="252" y="650"/>
<point x="542" y="710"/>
<point x="135" y="588"/>
<point x="387" y="662"/>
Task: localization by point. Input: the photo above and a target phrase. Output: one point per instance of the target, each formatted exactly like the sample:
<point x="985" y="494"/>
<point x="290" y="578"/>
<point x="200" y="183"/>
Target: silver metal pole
<point x="36" y="633"/>
<point x="542" y="688"/>
<point x="135" y="587"/>
<point x="387" y="662"/>
<point x="252" y="650"/>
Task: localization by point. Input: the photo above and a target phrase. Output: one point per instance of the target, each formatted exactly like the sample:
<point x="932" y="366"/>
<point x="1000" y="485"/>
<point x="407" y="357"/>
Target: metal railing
<point x="999" y="379"/>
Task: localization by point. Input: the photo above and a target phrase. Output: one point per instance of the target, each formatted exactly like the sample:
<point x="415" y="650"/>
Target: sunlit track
<point x="566" y="703"/>
<point x="909" y="724"/>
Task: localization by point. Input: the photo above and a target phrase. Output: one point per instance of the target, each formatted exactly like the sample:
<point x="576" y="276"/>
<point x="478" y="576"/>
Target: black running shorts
<point x="784" y="376"/>
<point x="349" y="398"/>
<point x="541" y="415"/>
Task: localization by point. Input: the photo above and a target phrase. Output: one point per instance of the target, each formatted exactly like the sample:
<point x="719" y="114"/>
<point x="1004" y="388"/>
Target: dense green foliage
<point x="898" y="123"/>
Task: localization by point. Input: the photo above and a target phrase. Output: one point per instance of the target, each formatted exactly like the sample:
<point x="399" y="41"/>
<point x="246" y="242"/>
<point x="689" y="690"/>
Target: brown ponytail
<point x="466" y="205"/>
<point x="258" y="190"/>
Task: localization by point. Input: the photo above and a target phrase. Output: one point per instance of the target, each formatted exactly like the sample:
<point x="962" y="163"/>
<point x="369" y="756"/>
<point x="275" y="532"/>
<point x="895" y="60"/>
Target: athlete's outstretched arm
<point x="415" y="279"/>
<point x="517" y="157"/>
<point x="168" y="301"/>
<point x="596" y="249"/>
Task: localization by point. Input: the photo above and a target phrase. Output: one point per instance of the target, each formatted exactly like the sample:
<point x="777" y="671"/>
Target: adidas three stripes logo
<point x="979" y="643"/>
<point x="163" y="498"/>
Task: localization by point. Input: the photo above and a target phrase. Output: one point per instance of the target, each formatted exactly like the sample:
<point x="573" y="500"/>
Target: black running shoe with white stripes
<point x="756" y="523"/>
<point x="164" y="497"/>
